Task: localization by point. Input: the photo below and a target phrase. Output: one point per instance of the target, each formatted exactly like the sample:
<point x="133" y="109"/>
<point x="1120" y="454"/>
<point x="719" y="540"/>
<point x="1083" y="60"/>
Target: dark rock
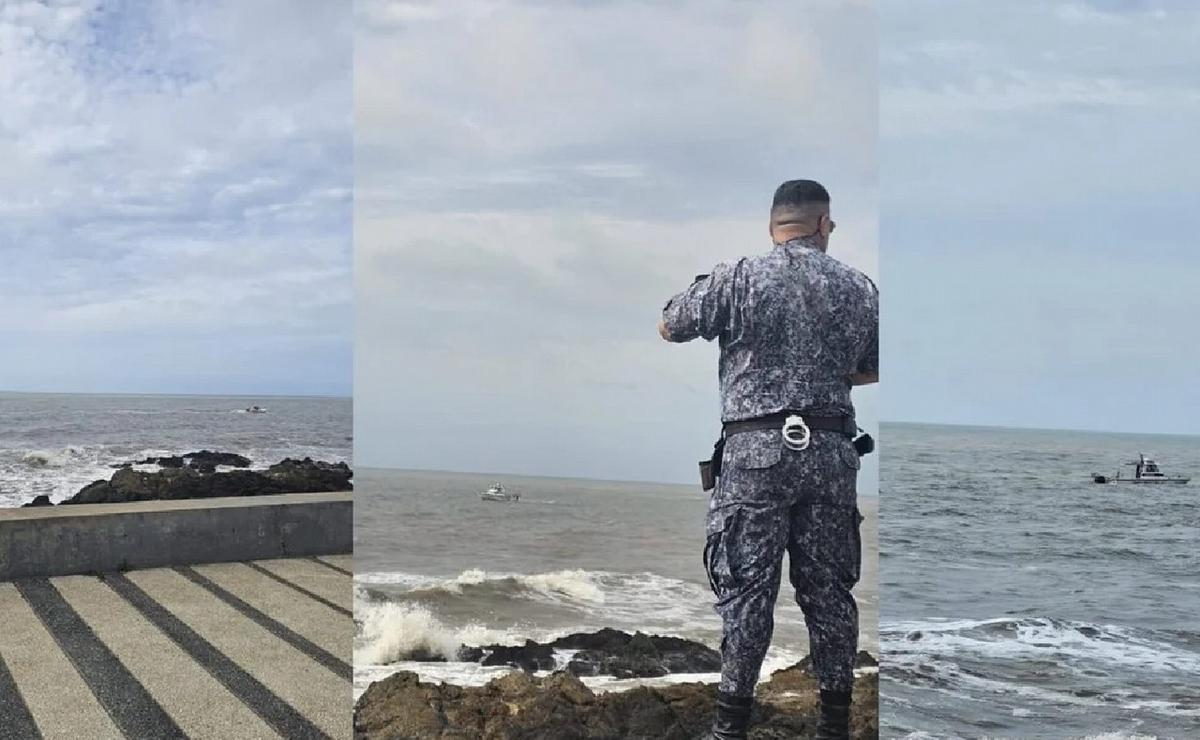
<point x="560" y="707"/>
<point x="313" y="475"/>
<point x="204" y="461"/>
<point x="530" y="657"/>
<point x="185" y="482"/>
<point x="39" y="500"/>
<point x="615" y="653"/>
<point x="204" y="458"/>
<point x="467" y="654"/>
<point x="606" y="652"/>
<point x="174" y="461"/>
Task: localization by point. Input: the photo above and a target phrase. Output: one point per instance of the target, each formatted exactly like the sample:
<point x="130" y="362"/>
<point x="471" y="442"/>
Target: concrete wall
<point x="95" y="538"/>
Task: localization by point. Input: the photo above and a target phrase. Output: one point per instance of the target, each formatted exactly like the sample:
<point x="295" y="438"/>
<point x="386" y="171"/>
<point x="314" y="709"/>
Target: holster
<point x="710" y="469"/>
<point x="864" y="444"/>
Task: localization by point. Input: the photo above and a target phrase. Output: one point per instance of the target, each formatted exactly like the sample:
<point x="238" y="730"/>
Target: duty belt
<point x="844" y="424"/>
<point x="795" y="428"/>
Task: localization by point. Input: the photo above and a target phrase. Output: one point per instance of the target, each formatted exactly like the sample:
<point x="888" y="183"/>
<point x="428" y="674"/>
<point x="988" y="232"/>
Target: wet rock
<point x="606" y="652"/>
<point x="185" y="482"/>
<point x="39" y="500"/>
<point x="615" y="653"/>
<point x="530" y="657"/>
<point x="315" y="474"/>
<point x="204" y="461"/>
<point x="212" y="459"/>
<point x="561" y="707"/>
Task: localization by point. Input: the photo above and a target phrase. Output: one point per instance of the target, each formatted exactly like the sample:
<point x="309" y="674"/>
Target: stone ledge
<point x="94" y="538"/>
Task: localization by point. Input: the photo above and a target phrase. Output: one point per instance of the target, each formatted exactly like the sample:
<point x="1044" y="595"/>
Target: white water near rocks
<point x="55" y="444"/>
<point x="438" y="568"/>
<point x="1022" y="600"/>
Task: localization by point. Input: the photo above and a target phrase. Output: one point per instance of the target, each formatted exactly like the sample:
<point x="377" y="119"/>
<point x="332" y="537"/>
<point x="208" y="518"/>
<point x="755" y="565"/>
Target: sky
<point x="535" y="179"/>
<point x="176" y="196"/>
<point x="1038" y="166"/>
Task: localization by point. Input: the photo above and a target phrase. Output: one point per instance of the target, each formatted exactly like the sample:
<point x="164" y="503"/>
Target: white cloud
<point x="175" y="167"/>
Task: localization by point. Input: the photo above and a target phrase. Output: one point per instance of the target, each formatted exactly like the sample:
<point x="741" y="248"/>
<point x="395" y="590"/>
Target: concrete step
<point x="233" y="650"/>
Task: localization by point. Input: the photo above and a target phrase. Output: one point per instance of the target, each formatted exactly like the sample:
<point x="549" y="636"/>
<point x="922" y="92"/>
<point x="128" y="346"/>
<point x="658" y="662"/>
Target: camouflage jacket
<point x="793" y="325"/>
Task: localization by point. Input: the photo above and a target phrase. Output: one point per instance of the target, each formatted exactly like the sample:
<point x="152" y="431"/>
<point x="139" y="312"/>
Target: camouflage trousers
<point x="770" y="500"/>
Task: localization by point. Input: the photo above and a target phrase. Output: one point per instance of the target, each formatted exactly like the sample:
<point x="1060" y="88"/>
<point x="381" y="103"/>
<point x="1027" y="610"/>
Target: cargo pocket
<point x="856" y="544"/>
<point x="716" y="550"/>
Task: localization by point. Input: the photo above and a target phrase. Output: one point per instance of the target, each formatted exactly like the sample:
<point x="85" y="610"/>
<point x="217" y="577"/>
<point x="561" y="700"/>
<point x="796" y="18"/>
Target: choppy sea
<point x="56" y="444"/>
<point x="1022" y="600"/>
<point x="436" y="568"/>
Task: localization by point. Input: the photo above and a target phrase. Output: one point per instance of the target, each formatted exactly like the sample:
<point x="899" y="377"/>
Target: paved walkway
<point x="233" y="650"/>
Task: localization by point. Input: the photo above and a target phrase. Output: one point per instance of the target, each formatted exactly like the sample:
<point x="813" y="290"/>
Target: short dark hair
<point x="800" y="193"/>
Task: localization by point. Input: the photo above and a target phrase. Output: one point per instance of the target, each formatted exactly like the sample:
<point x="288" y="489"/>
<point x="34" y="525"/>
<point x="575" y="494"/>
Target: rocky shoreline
<point x="196" y="475"/>
<point x="519" y="706"/>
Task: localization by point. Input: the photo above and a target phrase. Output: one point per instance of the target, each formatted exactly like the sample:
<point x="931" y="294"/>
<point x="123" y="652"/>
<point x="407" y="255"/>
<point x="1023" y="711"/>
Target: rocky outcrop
<point x="607" y="652"/>
<point x="203" y="460"/>
<point x="39" y="500"/>
<point x="288" y="476"/>
<point x="560" y="707"/>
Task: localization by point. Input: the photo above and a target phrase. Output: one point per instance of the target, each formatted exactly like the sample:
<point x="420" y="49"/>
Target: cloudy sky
<point x="535" y="179"/>
<point x="175" y="196"/>
<point x="1039" y="172"/>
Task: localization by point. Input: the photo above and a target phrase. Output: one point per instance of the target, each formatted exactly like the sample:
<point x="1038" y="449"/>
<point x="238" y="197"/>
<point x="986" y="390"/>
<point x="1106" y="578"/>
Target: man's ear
<point x="823" y="226"/>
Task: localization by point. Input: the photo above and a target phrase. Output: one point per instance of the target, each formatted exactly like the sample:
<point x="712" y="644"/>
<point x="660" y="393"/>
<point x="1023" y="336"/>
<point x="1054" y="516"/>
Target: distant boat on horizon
<point x="1145" y="470"/>
<point x="496" y="492"/>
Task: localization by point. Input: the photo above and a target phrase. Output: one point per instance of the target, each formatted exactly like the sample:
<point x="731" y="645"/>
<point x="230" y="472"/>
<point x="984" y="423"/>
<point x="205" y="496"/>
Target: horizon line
<point x="630" y="481"/>
<point x="178" y="395"/>
<point x="1037" y="429"/>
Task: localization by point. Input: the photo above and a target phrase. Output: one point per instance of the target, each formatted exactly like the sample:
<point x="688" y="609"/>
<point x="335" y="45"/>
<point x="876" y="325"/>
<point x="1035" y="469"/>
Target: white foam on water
<point x="628" y="600"/>
<point x="388" y="632"/>
<point x="1110" y="646"/>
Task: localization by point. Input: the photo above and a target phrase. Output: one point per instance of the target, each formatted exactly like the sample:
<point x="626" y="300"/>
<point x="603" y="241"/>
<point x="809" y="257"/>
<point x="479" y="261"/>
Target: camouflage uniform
<point x="793" y="325"/>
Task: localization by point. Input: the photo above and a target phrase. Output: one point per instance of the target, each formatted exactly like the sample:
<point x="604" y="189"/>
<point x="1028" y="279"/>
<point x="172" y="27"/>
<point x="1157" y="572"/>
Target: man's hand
<point x="864" y="378"/>
<point x="663" y="331"/>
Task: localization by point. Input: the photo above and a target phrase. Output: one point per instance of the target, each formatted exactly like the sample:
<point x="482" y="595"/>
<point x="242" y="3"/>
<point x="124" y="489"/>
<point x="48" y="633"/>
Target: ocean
<point x="1022" y="600"/>
<point x="57" y="443"/>
<point x="436" y="567"/>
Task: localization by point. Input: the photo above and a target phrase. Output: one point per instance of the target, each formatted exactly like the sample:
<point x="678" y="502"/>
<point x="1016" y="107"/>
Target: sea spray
<point x="389" y="633"/>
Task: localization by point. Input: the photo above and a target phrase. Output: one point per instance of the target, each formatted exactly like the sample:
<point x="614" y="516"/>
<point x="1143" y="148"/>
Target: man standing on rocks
<point x="797" y="329"/>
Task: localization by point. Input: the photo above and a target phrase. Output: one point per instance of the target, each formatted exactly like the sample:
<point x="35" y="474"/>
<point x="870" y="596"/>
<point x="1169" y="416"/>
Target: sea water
<point x="1022" y="600"/>
<point x="436" y="568"/>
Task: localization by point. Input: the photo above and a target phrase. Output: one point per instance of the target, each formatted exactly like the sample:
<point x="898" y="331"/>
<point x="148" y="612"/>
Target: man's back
<point x="794" y="324"/>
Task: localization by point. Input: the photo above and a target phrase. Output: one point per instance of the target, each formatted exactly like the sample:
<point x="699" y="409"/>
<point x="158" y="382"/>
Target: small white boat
<point x="497" y="493"/>
<point x="256" y="410"/>
<point x="1145" y="470"/>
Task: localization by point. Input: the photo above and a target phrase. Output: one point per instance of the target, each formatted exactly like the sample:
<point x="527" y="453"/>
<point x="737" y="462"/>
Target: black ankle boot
<point x="834" y="723"/>
<point x="733" y="717"/>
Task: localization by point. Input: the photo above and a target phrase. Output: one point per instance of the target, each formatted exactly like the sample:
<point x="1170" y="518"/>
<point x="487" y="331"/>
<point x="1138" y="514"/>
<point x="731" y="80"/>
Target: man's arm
<point x="703" y="310"/>
<point x="867" y="370"/>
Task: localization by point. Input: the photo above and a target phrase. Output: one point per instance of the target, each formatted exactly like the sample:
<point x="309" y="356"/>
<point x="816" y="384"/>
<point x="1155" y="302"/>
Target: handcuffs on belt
<point x="796" y="436"/>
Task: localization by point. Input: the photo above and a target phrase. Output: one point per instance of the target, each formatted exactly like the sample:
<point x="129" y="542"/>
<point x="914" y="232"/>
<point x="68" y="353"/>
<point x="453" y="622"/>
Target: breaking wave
<point x="577" y="585"/>
<point x="1034" y="638"/>
<point x="390" y="632"/>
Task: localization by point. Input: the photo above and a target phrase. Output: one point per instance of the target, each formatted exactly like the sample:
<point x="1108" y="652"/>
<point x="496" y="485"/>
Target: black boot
<point x="733" y="717"/>
<point x="834" y="723"/>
